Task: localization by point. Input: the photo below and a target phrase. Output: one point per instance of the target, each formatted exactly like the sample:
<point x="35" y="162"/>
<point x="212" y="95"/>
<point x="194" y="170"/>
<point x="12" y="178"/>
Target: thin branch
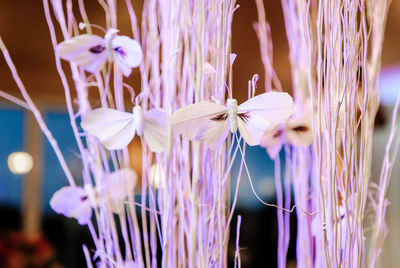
<point x="36" y="113"/>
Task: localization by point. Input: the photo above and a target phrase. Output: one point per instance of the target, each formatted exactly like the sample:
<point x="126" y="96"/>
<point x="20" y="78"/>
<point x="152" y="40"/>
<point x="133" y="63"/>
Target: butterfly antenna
<point x="262" y="201"/>
<point x="83" y="25"/>
<point x="229" y="91"/>
<point x="254" y="80"/>
<point x="141" y="96"/>
<point x="131" y="91"/>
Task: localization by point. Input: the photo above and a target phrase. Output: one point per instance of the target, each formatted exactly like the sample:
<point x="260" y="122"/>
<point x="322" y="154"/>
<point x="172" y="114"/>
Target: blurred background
<point x="28" y="180"/>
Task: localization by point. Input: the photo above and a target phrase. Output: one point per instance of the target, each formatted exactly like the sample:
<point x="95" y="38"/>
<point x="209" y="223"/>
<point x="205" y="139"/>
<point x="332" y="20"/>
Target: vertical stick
<point x="32" y="203"/>
<point x="279" y="213"/>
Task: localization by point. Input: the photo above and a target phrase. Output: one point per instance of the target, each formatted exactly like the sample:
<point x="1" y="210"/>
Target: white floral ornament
<point x="116" y="129"/>
<point x="91" y="51"/>
<point x="210" y="122"/>
<point x="72" y="202"/>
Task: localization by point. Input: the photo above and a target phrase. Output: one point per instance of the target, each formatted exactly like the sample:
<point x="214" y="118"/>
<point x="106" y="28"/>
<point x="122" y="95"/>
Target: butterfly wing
<point x="128" y="53"/>
<point x="273" y="141"/>
<point x="114" y="129"/>
<point x="72" y="202"/>
<point x="299" y="127"/>
<point x="203" y="121"/>
<point x="263" y="113"/>
<point x="154" y="129"/>
<point x="86" y="50"/>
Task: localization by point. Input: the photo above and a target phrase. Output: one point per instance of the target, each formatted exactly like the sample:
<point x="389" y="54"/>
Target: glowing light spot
<point x="20" y="162"/>
<point x="157" y="176"/>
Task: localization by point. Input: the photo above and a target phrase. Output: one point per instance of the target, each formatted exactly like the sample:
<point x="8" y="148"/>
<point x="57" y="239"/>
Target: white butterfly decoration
<point x="210" y="122"/>
<point x="72" y="202"/>
<point x="91" y="51"/>
<point x="297" y="130"/>
<point x="116" y="187"/>
<point x="116" y="129"/>
<point x="75" y="201"/>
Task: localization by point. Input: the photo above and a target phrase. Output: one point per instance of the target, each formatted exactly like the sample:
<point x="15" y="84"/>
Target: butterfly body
<point x="138" y="119"/>
<point x="232" y="114"/>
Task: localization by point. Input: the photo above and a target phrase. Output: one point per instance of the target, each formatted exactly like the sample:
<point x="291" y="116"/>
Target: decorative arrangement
<point x="192" y="129"/>
<point x="335" y="50"/>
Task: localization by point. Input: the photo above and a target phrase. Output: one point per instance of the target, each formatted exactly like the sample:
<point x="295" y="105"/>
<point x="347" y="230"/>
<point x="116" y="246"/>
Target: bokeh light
<point x="20" y="162"/>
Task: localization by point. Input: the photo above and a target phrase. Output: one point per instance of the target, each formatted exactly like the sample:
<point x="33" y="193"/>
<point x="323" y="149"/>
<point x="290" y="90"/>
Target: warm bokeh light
<point x="157" y="176"/>
<point x="20" y="162"/>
